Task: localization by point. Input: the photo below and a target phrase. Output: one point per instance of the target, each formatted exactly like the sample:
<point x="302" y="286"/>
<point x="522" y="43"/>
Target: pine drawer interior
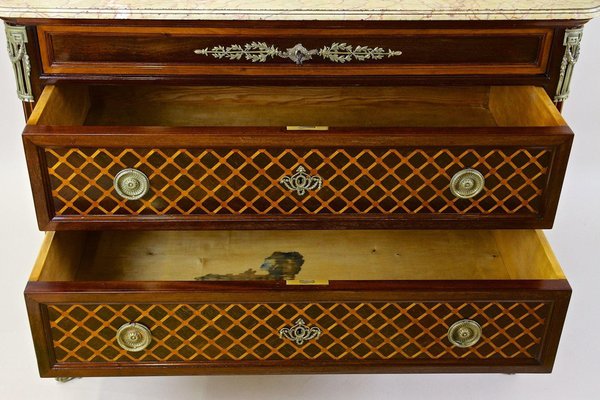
<point x="305" y="256"/>
<point x="270" y="106"/>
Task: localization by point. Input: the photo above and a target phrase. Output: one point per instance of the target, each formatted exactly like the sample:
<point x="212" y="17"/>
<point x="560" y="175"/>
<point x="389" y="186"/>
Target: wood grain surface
<point x="326" y="255"/>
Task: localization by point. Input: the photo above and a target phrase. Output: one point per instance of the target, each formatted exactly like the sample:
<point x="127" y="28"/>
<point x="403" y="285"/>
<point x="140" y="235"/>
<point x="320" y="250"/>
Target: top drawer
<point x="279" y="51"/>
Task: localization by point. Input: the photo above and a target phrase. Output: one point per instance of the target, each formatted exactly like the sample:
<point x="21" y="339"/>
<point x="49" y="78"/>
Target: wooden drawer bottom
<point x="221" y="324"/>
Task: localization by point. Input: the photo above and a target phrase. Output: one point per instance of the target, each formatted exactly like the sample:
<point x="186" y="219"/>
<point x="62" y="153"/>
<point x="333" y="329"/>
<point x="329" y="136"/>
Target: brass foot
<point x="64" y="379"/>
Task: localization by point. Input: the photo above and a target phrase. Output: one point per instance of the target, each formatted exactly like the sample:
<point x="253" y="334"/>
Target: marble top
<point x="302" y="9"/>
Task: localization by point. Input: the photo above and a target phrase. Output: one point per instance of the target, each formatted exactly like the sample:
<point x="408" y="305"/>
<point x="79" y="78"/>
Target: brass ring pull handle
<point x="131" y="184"/>
<point x="467" y="183"/>
<point x="301" y="182"/>
<point x="133" y="337"/>
<point x="300" y="332"/>
<point x="464" y="333"/>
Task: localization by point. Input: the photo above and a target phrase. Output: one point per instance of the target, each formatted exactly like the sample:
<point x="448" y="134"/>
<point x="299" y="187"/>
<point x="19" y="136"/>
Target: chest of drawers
<point x="303" y="194"/>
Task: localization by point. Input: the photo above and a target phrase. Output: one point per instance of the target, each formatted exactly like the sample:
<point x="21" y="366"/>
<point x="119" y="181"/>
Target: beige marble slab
<point x="302" y="10"/>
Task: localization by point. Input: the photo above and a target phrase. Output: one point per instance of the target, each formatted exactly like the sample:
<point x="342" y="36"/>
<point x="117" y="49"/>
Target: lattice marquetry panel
<point x="247" y="181"/>
<point x="362" y="331"/>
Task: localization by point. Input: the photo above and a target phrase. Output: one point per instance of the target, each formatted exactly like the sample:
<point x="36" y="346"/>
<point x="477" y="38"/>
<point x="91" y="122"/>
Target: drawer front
<point x="369" y="183"/>
<point x="279" y="51"/>
<point x="86" y="333"/>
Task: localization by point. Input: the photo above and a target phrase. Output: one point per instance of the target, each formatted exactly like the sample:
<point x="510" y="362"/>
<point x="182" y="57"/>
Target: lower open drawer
<point x="193" y="302"/>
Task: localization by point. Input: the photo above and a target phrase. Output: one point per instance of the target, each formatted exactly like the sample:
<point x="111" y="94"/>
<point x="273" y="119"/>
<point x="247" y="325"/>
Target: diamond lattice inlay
<point x="250" y="332"/>
<point x="247" y="181"/>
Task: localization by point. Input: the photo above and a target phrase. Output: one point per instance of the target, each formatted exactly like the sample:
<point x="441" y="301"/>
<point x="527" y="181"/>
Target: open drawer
<point x="205" y="302"/>
<point x="171" y="157"/>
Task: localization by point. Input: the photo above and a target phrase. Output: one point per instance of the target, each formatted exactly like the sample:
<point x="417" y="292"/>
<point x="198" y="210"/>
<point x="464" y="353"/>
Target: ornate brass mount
<point x="300" y="332"/>
<point x="261" y="52"/>
<point x="572" y="43"/>
<point x="301" y="182"/>
<point x="16" y="37"/>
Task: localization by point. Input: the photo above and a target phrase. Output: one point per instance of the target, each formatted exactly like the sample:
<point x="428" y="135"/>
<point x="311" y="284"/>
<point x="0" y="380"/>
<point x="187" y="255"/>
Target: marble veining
<point x="302" y="9"/>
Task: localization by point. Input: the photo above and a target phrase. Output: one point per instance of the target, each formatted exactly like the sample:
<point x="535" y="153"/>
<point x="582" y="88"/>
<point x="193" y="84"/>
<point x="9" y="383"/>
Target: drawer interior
<point x="274" y="106"/>
<point x="295" y="255"/>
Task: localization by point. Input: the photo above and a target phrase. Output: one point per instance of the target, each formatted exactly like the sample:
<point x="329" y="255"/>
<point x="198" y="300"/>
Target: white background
<point x="575" y="238"/>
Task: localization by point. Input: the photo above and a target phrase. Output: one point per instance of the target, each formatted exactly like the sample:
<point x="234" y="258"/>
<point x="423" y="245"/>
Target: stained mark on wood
<point x="278" y="266"/>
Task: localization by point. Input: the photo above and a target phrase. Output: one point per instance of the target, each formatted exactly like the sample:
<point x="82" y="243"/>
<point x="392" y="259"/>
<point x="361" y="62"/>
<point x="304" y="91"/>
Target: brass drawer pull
<point x="261" y="52"/>
<point x="133" y="337"/>
<point x="300" y="332"/>
<point x="464" y="333"/>
<point x="467" y="183"/>
<point x="301" y="182"/>
<point x="131" y="184"/>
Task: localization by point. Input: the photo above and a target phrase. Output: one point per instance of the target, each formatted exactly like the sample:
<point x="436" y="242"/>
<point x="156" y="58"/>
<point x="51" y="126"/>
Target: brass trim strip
<point x="306" y="128"/>
<point x="296" y="282"/>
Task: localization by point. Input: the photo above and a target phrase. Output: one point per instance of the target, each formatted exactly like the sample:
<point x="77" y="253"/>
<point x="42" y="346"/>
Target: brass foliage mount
<point x="262" y="52"/>
<point x="16" y="37"/>
<point x="572" y="43"/>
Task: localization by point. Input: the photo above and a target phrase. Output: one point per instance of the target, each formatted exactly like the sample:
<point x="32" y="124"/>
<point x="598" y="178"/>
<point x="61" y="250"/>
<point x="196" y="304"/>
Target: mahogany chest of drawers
<point x="239" y="196"/>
